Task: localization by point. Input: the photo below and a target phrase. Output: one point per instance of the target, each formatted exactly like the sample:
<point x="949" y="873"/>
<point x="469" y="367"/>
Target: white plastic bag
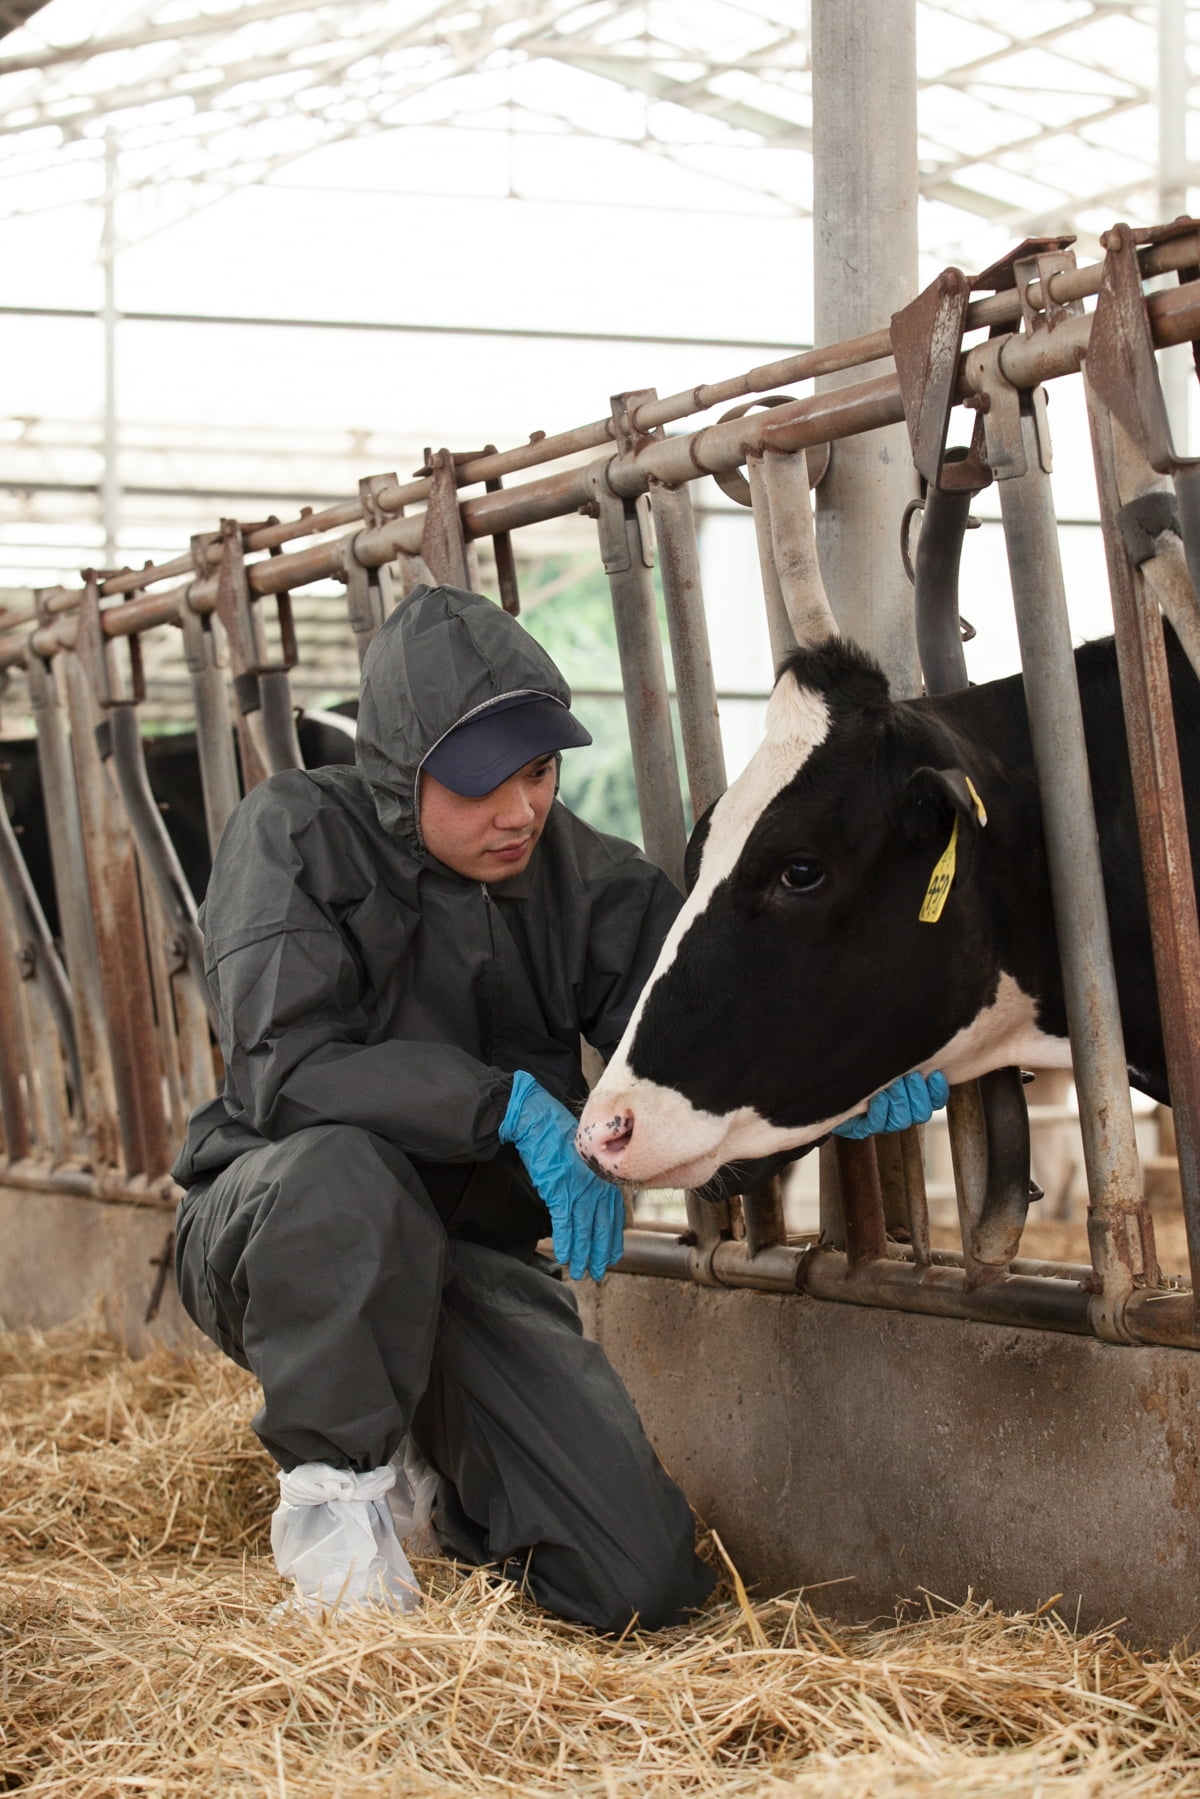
<point x="411" y="1499"/>
<point x="333" y="1535"/>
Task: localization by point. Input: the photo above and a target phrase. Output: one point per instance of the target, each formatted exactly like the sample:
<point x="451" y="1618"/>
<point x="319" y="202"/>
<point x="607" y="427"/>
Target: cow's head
<point x="800" y="976"/>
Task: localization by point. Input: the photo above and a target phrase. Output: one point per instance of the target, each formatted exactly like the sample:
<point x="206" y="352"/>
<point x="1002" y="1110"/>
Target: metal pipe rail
<point x="129" y="941"/>
<point x="863" y="406"/>
<point x="1054" y="1298"/>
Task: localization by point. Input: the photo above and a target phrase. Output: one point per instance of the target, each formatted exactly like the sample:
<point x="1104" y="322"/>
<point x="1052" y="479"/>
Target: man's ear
<point x="931" y="799"/>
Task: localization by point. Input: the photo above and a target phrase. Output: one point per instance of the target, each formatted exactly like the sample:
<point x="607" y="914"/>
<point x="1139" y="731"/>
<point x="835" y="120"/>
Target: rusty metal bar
<point x="627" y="550"/>
<point x="762" y="1209"/>
<point x="1006" y="1195"/>
<point x="679" y="564"/>
<point x="785" y="486"/>
<point x="279" y="739"/>
<point x="116" y="905"/>
<point x="912" y="1155"/>
<point x="214" y="729"/>
<point x="779" y="625"/>
<point x="36" y="945"/>
<point x="1118" y="1222"/>
<point x="108" y="1184"/>
<point x="1172" y="314"/>
<point x="1167" y="576"/>
<point x="862" y="406"/>
<point x="708" y="1222"/>
<point x="155" y="848"/>
<point x="862" y="1201"/>
<point x="1122" y="473"/>
<point x="935" y="590"/>
<point x="995" y="1156"/>
<point x="443" y="540"/>
<point x="939" y="1290"/>
<point x="902" y="1183"/>
<point x="14" y="1052"/>
<point x="95" y="1095"/>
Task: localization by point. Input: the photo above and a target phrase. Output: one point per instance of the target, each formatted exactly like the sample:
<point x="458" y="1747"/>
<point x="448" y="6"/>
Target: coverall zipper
<point x="491" y="1018"/>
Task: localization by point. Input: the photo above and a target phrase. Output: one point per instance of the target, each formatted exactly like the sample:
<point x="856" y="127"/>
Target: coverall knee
<point x="323" y="1263"/>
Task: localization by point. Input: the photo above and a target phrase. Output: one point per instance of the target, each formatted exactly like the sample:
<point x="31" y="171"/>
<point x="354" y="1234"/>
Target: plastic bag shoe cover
<point x="333" y="1535"/>
<point x="412" y="1499"/>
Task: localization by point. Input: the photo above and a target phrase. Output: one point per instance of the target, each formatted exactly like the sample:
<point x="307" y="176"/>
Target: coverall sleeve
<point x="294" y="1023"/>
<point x="631" y="913"/>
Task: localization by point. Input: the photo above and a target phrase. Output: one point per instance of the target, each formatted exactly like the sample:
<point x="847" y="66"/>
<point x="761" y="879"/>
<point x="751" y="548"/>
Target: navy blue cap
<point x="498" y="738"/>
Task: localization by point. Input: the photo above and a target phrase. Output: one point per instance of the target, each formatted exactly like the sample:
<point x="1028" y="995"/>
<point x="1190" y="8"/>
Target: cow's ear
<point x="930" y="801"/>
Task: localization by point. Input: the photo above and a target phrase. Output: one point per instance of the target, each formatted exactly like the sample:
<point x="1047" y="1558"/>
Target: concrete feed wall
<point x="890" y="1452"/>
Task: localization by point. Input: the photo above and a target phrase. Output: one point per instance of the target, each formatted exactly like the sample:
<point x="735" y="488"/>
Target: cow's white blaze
<point x="797" y="721"/>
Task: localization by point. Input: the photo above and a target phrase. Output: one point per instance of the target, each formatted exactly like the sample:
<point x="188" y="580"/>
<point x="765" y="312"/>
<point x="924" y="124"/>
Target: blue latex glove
<point x="910" y="1100"/>
<point x="588" y="1214"/>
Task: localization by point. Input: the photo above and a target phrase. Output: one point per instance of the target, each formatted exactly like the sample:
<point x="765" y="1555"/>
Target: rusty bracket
<point x="1001" y="276"/>
<point x="238" y="611"/>
<point x="614" y="517"/>
<point x="1142" y="521"/>
<point x="164" y="1262"/>
<point x="734" y="484"/>
<point x="630" y="438"/>
<point x="443" y="539"/>
<point x="1041" y="267"/>
<point x="506" y="564"/>
<point x="1002" y="407"/>
<point x="203" y="647"/>
<point x="927" y="341"/>
<point x="369" y="490"/>
<point x="98" y="652"/>
<point x="1120" y="355"/>
<point x="369" y="595"/>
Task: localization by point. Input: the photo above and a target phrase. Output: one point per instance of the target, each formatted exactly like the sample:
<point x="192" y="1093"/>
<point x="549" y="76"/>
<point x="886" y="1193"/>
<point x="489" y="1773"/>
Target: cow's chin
<point x="748" y="1140"/>
<point x="673" y="1143"/>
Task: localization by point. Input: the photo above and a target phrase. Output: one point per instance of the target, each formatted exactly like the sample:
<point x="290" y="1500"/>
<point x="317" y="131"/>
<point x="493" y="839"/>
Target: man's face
<point x="490" y="838"/>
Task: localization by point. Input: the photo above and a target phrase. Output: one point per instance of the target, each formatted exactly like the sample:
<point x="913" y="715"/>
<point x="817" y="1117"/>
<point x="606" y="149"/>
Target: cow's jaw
<point x="674" y="1144"/>
<point x="1005" y="1034"/>
<point x="629" y="1125"/>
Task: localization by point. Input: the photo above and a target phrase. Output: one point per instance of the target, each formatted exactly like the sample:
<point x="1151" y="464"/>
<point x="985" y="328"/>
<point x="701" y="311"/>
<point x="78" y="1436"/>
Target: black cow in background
<point x="173" y="770"/>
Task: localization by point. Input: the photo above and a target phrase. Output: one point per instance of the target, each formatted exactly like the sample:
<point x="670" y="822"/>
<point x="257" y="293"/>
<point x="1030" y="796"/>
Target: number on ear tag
<point x="941" y="880"/>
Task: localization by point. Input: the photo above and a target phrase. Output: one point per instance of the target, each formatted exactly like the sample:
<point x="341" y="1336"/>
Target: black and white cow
<point x="800" y="977"/>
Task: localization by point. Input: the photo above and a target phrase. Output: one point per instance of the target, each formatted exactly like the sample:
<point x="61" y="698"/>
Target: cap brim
<point x="480" y="754"/>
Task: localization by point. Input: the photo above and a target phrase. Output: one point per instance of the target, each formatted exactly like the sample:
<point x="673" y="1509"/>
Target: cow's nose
<point x="603" y="1142"/>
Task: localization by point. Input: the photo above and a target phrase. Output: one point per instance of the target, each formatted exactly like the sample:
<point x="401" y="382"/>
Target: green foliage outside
<point x="575" y="625"/>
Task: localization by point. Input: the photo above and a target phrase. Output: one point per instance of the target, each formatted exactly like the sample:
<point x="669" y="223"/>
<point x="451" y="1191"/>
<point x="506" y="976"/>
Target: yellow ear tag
<point x="980" y="808"/>
<point x="941" y="880"/>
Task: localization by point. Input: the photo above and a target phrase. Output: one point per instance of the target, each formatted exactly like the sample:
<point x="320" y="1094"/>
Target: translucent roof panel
<point x="627" y="179"/>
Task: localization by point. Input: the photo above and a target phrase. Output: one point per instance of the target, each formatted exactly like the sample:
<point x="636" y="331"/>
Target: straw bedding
<point x="136" y="1656"/>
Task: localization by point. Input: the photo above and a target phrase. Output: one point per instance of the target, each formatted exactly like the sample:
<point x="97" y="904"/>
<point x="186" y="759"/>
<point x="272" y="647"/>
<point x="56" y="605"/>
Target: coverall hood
<point x="437" y="657"/>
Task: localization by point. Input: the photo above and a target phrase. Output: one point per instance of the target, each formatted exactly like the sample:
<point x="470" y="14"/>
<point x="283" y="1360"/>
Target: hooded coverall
<point x="353" y="1231"/>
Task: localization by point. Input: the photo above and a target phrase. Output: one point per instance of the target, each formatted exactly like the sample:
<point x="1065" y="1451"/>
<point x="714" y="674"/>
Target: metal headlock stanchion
<point x="118" y="986"/>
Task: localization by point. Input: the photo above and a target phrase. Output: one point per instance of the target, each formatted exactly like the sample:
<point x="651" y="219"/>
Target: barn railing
<point x="104" y="1031"/>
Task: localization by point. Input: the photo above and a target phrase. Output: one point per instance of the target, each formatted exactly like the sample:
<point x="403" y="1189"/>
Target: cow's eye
<point x="802" y="874"/>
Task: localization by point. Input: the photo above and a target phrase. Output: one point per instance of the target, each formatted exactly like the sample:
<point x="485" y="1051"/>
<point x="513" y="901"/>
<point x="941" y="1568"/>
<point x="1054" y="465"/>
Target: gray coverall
<point x="352" y="1230"/>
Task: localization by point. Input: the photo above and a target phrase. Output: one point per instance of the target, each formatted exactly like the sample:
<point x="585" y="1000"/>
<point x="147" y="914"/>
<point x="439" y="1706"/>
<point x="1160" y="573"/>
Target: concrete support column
<point x="865" y="262"/>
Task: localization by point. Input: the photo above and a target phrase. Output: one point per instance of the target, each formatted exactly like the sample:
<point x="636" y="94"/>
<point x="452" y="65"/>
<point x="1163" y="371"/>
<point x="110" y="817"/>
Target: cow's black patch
<point x="797" y="996"/>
